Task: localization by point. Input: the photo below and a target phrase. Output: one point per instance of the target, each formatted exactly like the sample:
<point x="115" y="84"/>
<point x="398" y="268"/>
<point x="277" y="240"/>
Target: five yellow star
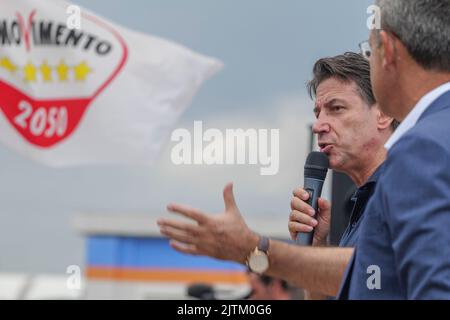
<point x="29" y="71"/>
<point x="81" y="71"/>
<point x="63" y="71"/>
<point x="8" y="65"/>
<point x="46" y="72"/>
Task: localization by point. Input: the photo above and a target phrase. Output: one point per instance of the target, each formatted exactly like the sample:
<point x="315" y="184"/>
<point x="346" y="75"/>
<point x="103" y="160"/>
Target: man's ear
<point x="383" y="121"/>
<point x="388" y="49"/>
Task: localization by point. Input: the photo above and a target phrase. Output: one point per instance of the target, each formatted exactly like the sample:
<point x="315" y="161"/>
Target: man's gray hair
<point x="423" y="26"/>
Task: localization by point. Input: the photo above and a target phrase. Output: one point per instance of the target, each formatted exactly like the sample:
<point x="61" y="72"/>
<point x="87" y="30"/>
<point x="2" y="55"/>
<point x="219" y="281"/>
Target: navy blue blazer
<point x="403" y="249"/>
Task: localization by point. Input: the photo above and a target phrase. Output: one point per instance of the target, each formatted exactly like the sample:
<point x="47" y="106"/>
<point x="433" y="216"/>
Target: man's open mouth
<point x="325" y="147"/>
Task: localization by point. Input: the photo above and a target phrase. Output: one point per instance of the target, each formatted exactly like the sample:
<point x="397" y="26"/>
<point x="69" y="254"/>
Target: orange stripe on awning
<point x="166" y="275"/>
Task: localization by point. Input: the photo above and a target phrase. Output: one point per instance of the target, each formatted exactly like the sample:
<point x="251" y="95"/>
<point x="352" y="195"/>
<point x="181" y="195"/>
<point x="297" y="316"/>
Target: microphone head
<point x="316" y="165"/>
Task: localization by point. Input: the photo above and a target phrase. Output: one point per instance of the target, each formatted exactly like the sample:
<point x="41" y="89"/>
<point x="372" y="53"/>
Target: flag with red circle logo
<point x="92" y="93"/>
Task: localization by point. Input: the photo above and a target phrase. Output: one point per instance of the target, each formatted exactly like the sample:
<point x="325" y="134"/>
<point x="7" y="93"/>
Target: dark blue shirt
<point x="359" y="199"/>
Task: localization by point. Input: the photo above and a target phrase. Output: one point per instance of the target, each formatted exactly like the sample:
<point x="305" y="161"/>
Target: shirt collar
<point x="375" y="175"/>
<point x="414" y="115"/>
<point x="371" y="181"/>
<point x="362" y="195"/>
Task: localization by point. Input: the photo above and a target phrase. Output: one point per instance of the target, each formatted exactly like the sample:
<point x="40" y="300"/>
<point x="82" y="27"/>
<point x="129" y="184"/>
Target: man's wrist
<point x="250" y="245"/>
<point x="320" y="243"/>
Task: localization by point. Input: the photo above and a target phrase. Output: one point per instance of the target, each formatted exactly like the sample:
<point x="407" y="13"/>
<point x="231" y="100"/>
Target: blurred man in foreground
<point x="351" y="131"/>
<point x="268" y="288"/>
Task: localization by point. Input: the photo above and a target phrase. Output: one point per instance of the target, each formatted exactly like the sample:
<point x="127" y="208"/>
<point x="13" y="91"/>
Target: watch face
<point x="258" y="262"/>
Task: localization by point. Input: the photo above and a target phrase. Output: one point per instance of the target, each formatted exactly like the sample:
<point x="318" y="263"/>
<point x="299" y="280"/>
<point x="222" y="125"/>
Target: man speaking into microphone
<point x="351" y="132"/>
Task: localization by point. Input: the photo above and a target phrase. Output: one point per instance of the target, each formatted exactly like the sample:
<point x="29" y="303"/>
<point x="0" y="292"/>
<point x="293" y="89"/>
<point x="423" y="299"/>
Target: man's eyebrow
<point x="318" y="106"/>
<point x="335" y="100"/>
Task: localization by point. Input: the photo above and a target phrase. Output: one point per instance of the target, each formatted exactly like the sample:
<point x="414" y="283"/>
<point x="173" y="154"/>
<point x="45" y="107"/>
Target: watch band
<point x="263" y="244"/>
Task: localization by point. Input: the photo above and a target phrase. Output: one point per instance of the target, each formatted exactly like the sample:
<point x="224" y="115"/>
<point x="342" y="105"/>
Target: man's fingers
<point x="183" y="226"/>
<point x="300" y="205"/>
<point x="228" y="198"/>
<point x="189" y="212"/>
<point x="184" y="248"/>
<point x="302" y="218"/>
<point x="301" y="193"/>
<point x="177" y="235"/>
<point x="295" y="227"/>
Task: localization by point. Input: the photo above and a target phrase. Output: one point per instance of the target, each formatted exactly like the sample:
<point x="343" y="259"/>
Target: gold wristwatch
<point x="258" y="259"/>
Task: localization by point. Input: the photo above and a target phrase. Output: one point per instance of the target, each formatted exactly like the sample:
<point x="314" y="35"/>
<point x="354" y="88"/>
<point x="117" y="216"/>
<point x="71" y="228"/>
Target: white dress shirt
<point x="414" y="115"/>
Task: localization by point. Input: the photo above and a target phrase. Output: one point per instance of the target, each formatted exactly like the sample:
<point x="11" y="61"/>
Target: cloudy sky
<point x="268" y="48"/>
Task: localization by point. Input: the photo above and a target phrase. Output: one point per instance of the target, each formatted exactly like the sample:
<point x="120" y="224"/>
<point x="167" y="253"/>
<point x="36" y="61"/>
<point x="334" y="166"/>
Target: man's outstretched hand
<point x="224" y="236"/>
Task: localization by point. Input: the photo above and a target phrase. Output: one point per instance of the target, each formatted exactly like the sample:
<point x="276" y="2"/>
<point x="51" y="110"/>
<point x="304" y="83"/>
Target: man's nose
<point x="320" y="126"/>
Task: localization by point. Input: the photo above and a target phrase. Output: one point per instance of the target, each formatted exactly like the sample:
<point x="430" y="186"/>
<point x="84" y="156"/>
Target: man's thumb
<point x="324" y="206"/>
<point x="228" y="197"/>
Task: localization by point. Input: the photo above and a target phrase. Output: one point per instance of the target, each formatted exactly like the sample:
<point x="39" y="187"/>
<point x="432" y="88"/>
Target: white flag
<point x="87" y="91"/>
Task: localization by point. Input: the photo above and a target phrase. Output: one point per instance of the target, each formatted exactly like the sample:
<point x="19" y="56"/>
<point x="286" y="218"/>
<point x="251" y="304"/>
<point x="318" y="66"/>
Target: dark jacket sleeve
<point x="417" y="210"/>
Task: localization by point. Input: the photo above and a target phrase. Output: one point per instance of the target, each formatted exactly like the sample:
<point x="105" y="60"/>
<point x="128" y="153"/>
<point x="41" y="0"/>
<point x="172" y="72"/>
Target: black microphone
<point x="316" y="167"/>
